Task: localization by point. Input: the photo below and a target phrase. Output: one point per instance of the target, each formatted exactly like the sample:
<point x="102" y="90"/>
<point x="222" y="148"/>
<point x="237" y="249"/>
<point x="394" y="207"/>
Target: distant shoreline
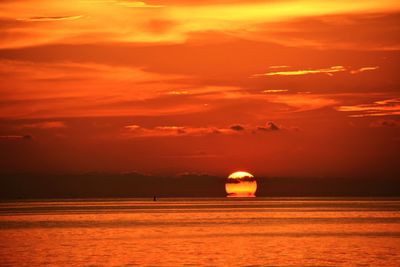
<point x="132" y="185"/>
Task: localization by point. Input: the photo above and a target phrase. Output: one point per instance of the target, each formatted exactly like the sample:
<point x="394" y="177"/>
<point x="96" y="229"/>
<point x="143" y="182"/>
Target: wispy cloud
<point x="270" y="126"/>
<point x="237" y="127"/>
<point x="302" y="102"/>
<point x="278" y="67"/>
<point x="183" y="92"/>
<point x="85" y="89"/>
<point x="135" y="130"/>
<point x="137" y="4"/>
<point x="45" y="125"/>
<point x="273" y="91"/>
<point x="364" y="69"/>
<point x="117" y="21"/>
<point x="55" y="18"/>
<point x="170" y="131"/>
<point x="385" y="123"/>
<point x="125" y="3"/>
<point x="16" y="137"/>
<point x="329" y="71"/>
<point x="371" y="30"/>
<point x="378" y="108"/>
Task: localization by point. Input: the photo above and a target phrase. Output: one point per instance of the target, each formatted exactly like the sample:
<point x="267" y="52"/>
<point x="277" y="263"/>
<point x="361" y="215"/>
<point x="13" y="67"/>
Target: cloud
<point x="133" y="127"/>
<point x="184" y="92"/>
<point x="135" y="130"/>
<point x="279" y="67"/>
<point x="95" y="90"/>
<point x="170" y="131"/>
<point x="363" y="69"/>
<point x="124" y="3"/>
<point x="55" y="18"/>
<point x="137" y="4"/>
<point x="329" y="71"/>
<point x="167" y="131"/>
<point x="27" y="137"/>
<point x="378" y="108"/>
<point x="16" y="137"/>
<point x="385" y="124"/>
<point x="83" y="89"/>
<point x="46" y="125"/>
<point x="159" y="26"/>
<point x="291" y="23"/>
<point x="273" y="91"/>
<point x="270" y="126"/>
<point x="302" y="101"/>
<point x="374" y="30"/>
<point x="237" y="127"/>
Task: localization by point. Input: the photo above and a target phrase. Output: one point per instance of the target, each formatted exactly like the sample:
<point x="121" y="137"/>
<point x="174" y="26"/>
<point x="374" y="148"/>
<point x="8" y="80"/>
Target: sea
<point x="201" y="232"/>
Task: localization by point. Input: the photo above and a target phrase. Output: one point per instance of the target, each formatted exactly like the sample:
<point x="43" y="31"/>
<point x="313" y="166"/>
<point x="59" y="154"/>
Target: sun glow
<point x="239" y="175"/>
<point x="241" y="184"/>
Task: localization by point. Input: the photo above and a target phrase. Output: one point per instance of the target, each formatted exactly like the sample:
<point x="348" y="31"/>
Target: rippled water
<point x="201" y="232"/>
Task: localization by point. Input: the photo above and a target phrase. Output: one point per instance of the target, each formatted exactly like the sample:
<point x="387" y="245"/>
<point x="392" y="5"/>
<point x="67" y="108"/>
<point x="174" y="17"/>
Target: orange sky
<point x="282" y="88"/>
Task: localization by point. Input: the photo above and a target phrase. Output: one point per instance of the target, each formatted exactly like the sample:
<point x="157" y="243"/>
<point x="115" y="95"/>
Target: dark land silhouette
<point x="98" y="185"/>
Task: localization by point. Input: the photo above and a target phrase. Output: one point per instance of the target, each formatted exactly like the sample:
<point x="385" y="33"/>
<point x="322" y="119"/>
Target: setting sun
<point x="241" y="184"/>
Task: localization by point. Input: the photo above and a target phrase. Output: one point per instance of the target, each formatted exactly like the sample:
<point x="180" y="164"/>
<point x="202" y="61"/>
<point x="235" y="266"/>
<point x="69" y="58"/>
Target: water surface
<point x="201" y="232"/>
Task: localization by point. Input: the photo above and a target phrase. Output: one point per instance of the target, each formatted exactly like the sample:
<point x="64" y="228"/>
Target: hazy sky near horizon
<point x="293" y="88"/>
